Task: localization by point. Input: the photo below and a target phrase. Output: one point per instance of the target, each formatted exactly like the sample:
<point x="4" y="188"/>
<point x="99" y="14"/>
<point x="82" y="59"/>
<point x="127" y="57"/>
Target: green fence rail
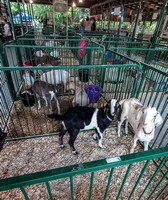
<point x="122" y="78"/>
<point x="119" y="175"/>
<point x="68" y="53"/>
<point x="116" y="82"/>
<point x="156" y="57"/>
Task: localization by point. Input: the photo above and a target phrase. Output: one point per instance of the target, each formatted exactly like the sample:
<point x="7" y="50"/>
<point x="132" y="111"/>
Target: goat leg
<point x="61" y="135"/>
<point x="119" y="128"/>
<point x="72" y="139"/>
<point x="100" y="137"/>
<point x="58" y="107"/>
<point x="44" y="97"/>
<point x="39" y="104"/>
<point x="146" y="145"/>
<point x="134" y="144"/>
<point x="126" y="127"/>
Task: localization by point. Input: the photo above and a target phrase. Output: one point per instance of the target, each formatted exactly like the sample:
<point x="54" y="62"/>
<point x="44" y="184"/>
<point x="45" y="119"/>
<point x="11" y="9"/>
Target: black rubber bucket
<point x="27" y="99"/>
<point x="84" y="75"/>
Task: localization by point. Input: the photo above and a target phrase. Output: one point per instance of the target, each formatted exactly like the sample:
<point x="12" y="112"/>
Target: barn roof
<point x="148" y="6"/>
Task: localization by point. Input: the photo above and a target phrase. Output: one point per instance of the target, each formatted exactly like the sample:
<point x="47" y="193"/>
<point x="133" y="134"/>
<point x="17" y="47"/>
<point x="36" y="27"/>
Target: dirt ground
<point x="39" y="154"/>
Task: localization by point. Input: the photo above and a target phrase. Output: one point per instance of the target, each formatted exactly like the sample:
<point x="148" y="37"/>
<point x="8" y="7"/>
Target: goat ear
<point x="158" y="119"/>
<point x="136" y="106"/>
<point x="138" y="115"/>
<point x="119" y="112"/>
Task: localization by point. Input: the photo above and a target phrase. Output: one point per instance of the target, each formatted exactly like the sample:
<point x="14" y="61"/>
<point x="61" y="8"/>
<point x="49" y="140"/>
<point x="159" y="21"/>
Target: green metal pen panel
<point x="133" y="176"/>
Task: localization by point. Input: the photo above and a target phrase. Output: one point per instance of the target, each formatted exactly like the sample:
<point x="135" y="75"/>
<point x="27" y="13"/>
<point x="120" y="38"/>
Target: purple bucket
<point x="93" y="92"/>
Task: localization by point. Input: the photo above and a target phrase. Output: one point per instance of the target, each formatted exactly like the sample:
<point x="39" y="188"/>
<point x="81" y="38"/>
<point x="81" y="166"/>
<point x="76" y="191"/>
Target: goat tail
<point x="55" y="116"/>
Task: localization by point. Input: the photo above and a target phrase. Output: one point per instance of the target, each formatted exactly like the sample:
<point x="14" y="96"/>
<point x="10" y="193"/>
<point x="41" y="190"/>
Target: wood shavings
<point x="33" y="155"/>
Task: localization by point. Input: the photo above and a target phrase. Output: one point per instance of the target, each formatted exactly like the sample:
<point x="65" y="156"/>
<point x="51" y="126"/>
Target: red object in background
<point x="27" y="64"/>
<point x="82" y="45"/>
<point x="134" y="73"/>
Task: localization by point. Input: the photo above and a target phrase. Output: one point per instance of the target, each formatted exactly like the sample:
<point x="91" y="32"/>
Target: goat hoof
<point x="62" y="146"/>
<point x="95" y="137"/>
<point x="102" y="147"/>
<point x="132" y="151"/>
<point x="75" y="152"/>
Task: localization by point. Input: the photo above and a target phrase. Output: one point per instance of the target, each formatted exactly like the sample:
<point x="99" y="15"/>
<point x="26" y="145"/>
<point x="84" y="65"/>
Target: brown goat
<point x="45" y="91"/>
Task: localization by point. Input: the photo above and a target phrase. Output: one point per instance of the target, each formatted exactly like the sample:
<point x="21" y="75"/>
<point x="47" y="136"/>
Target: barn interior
<point x="121" y="59"/>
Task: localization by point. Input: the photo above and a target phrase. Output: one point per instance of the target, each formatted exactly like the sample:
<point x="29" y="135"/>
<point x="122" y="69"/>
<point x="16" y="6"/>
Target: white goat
<point x="29" y="80"/>
<point x="40" y="53"/>
<point x="143" y="121"/>
<point x="81" y="98"/>
<point x="56" y="77"/>
<point x="55" y="53"/>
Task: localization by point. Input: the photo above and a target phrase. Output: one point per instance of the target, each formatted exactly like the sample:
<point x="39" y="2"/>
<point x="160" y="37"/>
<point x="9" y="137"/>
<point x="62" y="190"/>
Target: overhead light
<point x="31" y="1"/>
<point x="80" y="1"/>
<point x="73" y="4"/>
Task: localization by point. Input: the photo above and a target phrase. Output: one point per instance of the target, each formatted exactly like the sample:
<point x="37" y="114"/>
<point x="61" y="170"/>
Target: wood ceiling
<point x="148" y="6"/>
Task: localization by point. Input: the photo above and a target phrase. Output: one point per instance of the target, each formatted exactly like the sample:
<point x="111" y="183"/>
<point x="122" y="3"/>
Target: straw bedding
<point x="39" y="154"/>
<point x="33" y="155"/>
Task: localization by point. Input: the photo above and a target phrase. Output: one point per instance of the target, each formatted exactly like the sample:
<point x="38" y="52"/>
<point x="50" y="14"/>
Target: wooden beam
<point x="100" y="4"/>
<point x="157" y="3"/>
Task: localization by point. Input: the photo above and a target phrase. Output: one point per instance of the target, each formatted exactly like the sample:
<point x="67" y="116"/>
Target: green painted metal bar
<point x="23" y="4"/>
<point x="139" y="70"/>
<point x="120" y="22"/>
<point x="159" y="197"/>
<point x="32" y="10"/>
<point x="24" y="193"/>
<point x="165" y="134"/>
<point x="159" y="183"/>
<point x="154" y="175"/>
<point x="139" y="178"/>
<point x="124" y="180"/>
<point x="29" y="13"/>
<point x="108" y="184"/>
<point x="64" y="67"/>
<point x="91" y="185"/>
<point x="161" y="79"/>
<point x="72" y="187"/>
<point x="18" y="5"/>
<point x="7" y="107"/>
<point x="49" y="190"/>
<point x="4" y="63"/>
<point x="59" y="173"/>
<point x="110" y="10"/>
<point x="136" y="21"/>
<point x="11" y="19"/>
<point x="159" y="23"/>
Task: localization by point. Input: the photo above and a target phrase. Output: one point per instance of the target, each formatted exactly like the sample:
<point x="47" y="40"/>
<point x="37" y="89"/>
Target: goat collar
<point x="146" y="132"/>
<point x="109" y="117"/>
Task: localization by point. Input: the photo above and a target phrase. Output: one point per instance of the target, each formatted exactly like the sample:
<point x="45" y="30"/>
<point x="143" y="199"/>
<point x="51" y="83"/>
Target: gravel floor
<point x="28" y="156"/>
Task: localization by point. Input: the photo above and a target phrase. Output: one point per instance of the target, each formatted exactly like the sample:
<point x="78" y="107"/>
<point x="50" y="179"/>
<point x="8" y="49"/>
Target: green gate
<point x="134" y="176"/>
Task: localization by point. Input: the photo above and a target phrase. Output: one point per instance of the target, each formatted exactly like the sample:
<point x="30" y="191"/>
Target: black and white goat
<point x="45" y="91"/>
<point x="85" y="118"/>
<point x="142" y="119"/>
